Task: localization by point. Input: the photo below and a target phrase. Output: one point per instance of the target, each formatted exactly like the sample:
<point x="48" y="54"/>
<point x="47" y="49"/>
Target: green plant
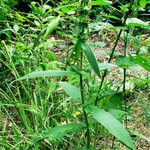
<point x="48" y="101"/>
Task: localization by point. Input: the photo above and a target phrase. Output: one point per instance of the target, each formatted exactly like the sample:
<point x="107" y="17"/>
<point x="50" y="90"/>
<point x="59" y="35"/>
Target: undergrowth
<point x="74" y="75"/>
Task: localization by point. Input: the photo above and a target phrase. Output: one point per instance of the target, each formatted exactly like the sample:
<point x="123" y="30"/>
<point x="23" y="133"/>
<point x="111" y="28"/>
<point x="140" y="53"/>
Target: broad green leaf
<point x="51" y="27"/>
<point x="60" y="131"/>
<point x="112" y="125"/>
<point x="90" y="57"/>
<point x="124" y="62"/>
<point x="110" y="100"/>
<point x="143" y="62"/>
<point x="136" y="22"/>
<point x="71" y="90"/>
<point x="48" y="73"/>
<point x="68" y="8"/>
<point x="104" y="66"/>
<point x="36" y="9"/>
<point x="143" y="3"/>
<point x="117" y="113"/>
<point x="19" y="17"/>
<point x="75" y="4"/>
<point x="100" y="2"/>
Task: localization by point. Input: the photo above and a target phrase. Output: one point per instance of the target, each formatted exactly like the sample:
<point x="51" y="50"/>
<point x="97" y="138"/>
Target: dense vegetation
<point x="74" y="74"/>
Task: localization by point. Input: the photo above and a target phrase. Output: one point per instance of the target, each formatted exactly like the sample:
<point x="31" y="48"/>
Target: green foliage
<point x="90" y="57"/>
<point x="145" y="63"/>
<point x="137" y="22"/>
<point x="112" y="125"/>
<point x="124" y="62"/>
<point x="47" y="73"/>
<point x="47" y="87"/>
<point x="72" y="91"/>
<point x="51" y="26"/>
<point x="100" y="2"/>
<point x="59" y="132"/>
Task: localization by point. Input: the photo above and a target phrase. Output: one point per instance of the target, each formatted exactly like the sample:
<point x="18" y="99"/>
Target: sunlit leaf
<point x="71" y="90"/>
<point x="16" y="28"/>
<point x="136" y="22"/>
<point x="100" y="2"/>
<point x="143" y="3"/>
<point x="112" y="125"/>
<point x="45" y="8"/>
<point x="51" y="27"/>
<point x="111" y="16"/>
<point x="36" y="9"/>
<point x="143" y="62"/>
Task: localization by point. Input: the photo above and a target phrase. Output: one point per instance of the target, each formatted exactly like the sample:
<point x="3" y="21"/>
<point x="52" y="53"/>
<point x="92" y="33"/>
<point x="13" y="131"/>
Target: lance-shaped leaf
<point x="145" y="63"/>
<point x="71" y="90"/>
<point x="90" y="57"/>
<point x="59" y="131"/>
<point x="51" y="27"/>
<point x="136" y="22"/>
<point x="100" y="2"/>
<point x="48" y="73"/>
<point x="112" y="125"/>
<point x="46" y="31"/>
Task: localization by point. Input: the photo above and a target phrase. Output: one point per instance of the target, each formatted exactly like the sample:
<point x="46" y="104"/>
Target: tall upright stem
<point x="124" y="80"/>
<point x="80" y="37"/>
<point x="110" y="58"/>
<point x="126" y="46"/>
<point x="83" y="102"/>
